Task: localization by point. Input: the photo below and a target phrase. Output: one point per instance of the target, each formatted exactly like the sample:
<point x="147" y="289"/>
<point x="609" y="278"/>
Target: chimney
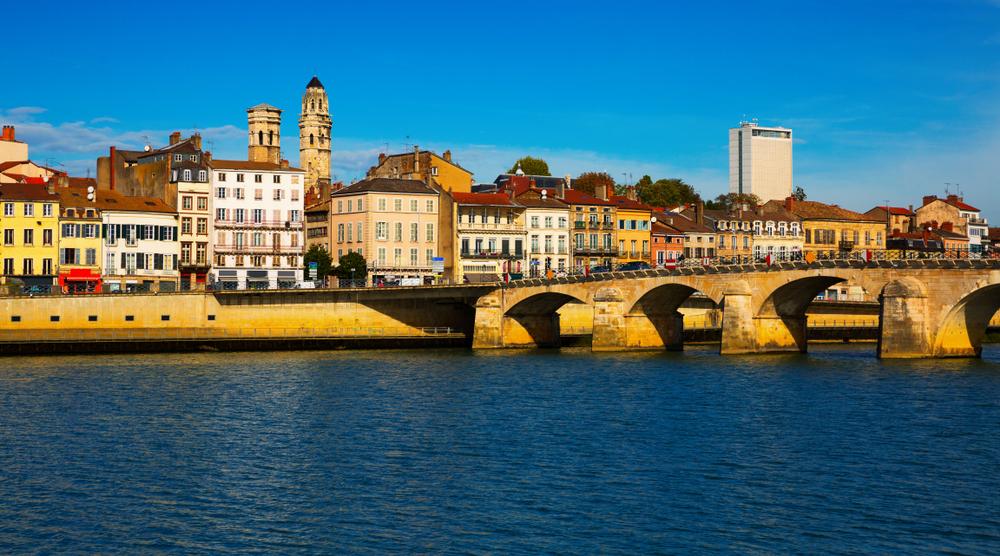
<point x="50" y="185"/>
<point x="207" y="156"/>
<point x="789" y="204"/>
<point x="416" y="159"/>
<point x="928" y="199"/>
<point x="381" y="158"/>
<point x="112" y="167"/>
<point x="631" y="194"/>
<point x="699" y="212"/>
<point x="196" y="140"/>
<point x="447" y="156"/>
<point x="601" y="192"/>
<point x="175" y="138"/>
<point x="284" y="163"/>
<point x="947" y="226"/>
<point x="8" y="133"/>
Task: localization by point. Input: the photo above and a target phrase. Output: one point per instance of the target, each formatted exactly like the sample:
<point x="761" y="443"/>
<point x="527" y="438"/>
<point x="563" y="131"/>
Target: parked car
<point x="634" y="265"/>
<point x="600" y="268"/>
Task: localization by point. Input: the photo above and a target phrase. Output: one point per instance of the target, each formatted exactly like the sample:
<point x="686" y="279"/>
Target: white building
<point x="258" y="212"/>
<point x="140" y="243"/>
<point x="547" y="221"/>
<point x="760" y="161"/>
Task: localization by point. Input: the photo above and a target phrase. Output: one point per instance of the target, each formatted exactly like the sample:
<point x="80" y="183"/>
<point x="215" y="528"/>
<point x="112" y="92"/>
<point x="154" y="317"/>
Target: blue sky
<point x="888" y="100"/>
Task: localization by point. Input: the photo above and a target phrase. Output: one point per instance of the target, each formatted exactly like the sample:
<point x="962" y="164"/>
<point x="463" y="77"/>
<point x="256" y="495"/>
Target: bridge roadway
<point x="929" y="308"/>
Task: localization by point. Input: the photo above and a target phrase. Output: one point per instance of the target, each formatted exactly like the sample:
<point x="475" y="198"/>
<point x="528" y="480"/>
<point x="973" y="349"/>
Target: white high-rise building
<point x="760" y="161"/>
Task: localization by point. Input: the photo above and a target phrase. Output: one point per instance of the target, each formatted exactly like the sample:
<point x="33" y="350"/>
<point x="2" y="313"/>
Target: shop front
<point x="80" y="281"/>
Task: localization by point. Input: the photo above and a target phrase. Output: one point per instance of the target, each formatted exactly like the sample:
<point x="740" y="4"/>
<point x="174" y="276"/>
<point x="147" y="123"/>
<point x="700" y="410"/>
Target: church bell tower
<point x="264" y="122"/>
<point x="314" y="138"/>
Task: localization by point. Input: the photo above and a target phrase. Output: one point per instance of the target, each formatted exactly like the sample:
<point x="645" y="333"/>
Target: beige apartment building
<point x="490" y="234"/>
<point x="547" y="221"/>
<point x="392" y="223"/>
<point x="760" y="161"/>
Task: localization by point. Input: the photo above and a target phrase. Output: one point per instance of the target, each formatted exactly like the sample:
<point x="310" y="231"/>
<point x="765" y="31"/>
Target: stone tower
<point x="264" y="122"/>
<point x="314" y="138"/>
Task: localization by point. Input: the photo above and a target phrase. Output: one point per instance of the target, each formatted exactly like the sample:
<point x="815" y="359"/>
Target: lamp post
<point x="352" y="277"/>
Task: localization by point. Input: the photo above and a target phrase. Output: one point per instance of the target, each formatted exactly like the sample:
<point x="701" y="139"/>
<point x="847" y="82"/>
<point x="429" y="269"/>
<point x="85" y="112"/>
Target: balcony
<point x="234" y="249"/>
<point x="489" y="227"/>
<point x="269" y="224"/>
<point x="846" y="245"/>
<point x="595" y="251"/>
<point x="491" y="255"/>
<point x="635" y="255"/>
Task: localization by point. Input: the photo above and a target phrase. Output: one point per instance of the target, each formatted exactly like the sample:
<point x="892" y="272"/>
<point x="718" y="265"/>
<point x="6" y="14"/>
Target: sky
<point x="888" y="100"/>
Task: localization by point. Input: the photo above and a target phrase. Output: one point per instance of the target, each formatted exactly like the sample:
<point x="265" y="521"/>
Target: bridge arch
<point x="793" y="298"/>
<point x="961" y="331"/>
<point x="535" y="319"/>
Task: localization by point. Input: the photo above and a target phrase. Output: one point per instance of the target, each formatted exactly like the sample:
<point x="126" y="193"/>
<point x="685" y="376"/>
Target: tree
<point x="355" y="261"/>
<point x="734" y="201"/>
<point x="531" y="166"/>
<point x="799" y="194"/>
<point x="324" y="263"/>
<point x="667" y="192"/>
<point x="588" y="182"/>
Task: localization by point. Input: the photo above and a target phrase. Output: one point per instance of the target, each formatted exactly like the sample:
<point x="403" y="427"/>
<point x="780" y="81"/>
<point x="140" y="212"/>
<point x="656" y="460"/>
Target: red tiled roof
<point x="26" y="192"/>
<point x="493" y="199"/>
<point x="247" y="165"/>
<point x="577" y="197"/>
<point x="962" y="205"/>
<point x="624" y="202"/>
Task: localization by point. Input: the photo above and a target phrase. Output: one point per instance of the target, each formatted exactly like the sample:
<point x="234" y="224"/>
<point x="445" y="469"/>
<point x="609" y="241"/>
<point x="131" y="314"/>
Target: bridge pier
<point x="493" y="329"/>
<point x="609" y="321"/>
<point x="616" y="330"/>
<point x="487" y="331"/>
<point x="904" y="324"/>
<point x="743" y="332"/>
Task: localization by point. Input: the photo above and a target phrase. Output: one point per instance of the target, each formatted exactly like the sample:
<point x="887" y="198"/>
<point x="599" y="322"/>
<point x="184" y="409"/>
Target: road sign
<point x="437" y="265"/>
<point x="313" y="270"/>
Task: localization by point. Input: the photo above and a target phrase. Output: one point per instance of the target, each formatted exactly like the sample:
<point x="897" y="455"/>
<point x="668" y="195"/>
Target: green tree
<point x="799" y="194"/>
<point x="667" y="192"/>
<point x="354" y="261"/>
<point x="734" y="201"/>
<point x="531" y="166"/>
<point x="324" y="262"/>
<point x="588" y="182"/>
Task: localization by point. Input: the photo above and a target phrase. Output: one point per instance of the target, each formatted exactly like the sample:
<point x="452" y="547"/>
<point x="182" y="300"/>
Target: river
<point x="506" y="452"/>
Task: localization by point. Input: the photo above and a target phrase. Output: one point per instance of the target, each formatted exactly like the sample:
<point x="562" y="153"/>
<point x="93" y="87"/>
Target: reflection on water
<point x="507" y="452"/>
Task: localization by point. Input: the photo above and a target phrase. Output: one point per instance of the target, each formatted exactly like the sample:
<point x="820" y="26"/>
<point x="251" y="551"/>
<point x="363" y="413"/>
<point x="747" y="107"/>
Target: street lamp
<point x="352" y="277"/>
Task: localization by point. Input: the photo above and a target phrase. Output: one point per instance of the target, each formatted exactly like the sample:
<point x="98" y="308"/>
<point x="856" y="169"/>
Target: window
<point x="430" y="232"/>
<point x="258" y="194"/>
<point x="28" y="267"/>
<point x="278" y="194"/>
<point x="220" y="215"/>
<point x="414" y="231"/>
<point x="276" y="178"/>
<point x="221" y="176"/>
<point x="187" y="175"/>
<point x="381" y="205"/>
<point x="203" y="226"/>
<point x="239" y="178"/>
<point x="8" y="209"/>
<point x="220" y="192"/>
<point x="358" y="228"/>
<point x="399" y="231"/>
<point x="413" y="257"/>
<point x="294" y="215"/>
<point x="413" y="205"/>
<point x="178" y="157"/>
<point x="534" y="221"/>
<point x="258" y="178"/>
<point x="29" y="237"/>
<point x="47" y="209"/>
<point x="258" y="216"/>
<point x="430" y="206"/>
<point x="91" y="257"/>
<point x="239" y="193"/>
<point x="202" y="175"/>
<point x="186" y="202"/>
<point x="434" y="170"/>
<point x="430" y="256"/>
<point x="46" y="237"/>
<point x="340" y="233"/>
<point x="360" y="203"/>
<point x="381" y="231"/>
<point x="8" y="238"/>
<point x="202" y="203"/>
<point x="29" y="209"/>
<point x="8" y="266"/>
<point x="397" y="205"/>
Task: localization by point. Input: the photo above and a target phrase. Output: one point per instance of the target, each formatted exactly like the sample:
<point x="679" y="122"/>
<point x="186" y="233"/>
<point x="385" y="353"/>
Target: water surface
<point x="507" y="452"/>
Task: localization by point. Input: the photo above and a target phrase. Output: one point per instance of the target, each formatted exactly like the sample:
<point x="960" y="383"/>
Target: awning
<point x="230" y="273"/>
<point x="286" y="274"/>
<point x="259" y="274"/>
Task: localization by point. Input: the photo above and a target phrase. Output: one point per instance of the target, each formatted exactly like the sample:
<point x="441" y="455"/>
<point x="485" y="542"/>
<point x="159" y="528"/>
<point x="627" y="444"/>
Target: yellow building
<point x="424" y="166"/>
<point x="29" y="220"/>
<point x="79" y="237"/>
<point x="835" y="232"/>
<point x="634" y="229"/>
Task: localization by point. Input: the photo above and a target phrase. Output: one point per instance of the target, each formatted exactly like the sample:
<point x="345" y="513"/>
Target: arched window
<point x="187" y="175"/>
<point x="202" y="175"/>
<point x="320" y="104"/>
<point x="311" y="139"/>
<point x="270" y="137"/>
<point x="260" y="137"/>
<point x="312" y="104"/>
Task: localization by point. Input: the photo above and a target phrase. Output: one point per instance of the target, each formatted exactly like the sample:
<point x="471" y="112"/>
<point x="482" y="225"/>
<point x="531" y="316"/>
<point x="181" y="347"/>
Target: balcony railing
<point x="282" y="224"/>
<point x="490" y="226"/>
<point x="596" y="251"/>
<point x="492" y="255"/>
<point x="230" y="248"/>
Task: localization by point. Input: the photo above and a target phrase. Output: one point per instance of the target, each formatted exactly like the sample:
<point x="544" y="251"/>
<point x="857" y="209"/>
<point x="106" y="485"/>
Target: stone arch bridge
<point x="929" y="308"/>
